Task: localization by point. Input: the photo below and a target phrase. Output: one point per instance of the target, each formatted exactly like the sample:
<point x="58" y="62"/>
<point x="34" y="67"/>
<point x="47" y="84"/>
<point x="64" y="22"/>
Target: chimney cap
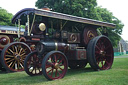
<point x="45" y="8"/>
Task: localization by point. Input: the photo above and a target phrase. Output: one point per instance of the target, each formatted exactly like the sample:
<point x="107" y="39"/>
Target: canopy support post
<point x="19" y="28"/>
<point x="28" y="25"/>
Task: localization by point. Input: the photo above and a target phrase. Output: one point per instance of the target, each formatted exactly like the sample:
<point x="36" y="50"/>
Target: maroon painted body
<point x="77" y="54"/>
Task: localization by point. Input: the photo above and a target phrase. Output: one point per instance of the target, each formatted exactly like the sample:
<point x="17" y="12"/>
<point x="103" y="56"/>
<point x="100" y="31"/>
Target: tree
<point x="82" y="8"/>
<point x="5" y="17"/>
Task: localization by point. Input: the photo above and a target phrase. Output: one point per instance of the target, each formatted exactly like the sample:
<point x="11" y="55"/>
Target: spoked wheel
<point x="73" y="64"/>
<point x="13" y="56"/>
<point x="32" y="64"/>
<point x="54" y="65"/>
<point x="88" y="34"/>
<point x="100" y="53"/>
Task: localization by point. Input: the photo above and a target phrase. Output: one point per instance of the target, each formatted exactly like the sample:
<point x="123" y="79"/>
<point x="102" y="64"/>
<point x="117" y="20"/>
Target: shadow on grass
<point x="23" y="78"/>
<point x="3" y="72"/>
<point x="78" y="71"/>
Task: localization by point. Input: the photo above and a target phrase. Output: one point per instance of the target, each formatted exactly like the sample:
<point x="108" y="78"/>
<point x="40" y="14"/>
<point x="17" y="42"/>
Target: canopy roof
<point x="57" y="15"/>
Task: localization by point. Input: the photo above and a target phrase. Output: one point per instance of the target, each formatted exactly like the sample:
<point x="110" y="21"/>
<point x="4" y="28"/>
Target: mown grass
<point x="118" y="75"/>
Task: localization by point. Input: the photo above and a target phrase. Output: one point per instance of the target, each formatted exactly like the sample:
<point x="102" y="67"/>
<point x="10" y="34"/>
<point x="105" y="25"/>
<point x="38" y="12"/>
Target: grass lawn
<point x="118" y="75"/>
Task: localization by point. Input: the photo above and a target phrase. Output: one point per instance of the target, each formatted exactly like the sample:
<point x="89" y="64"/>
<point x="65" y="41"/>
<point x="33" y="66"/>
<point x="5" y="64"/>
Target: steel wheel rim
<point x="103" y="53"/>
<point x="56" y="66"/>
<point x="15" y="55"/>
<point x="34" y="64"/>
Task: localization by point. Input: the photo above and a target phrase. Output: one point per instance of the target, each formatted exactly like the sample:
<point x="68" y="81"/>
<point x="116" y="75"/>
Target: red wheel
<point x="89" y="33"/>
<point x="54" y="65"/>
<point x="100" y="53"/>
<point x="13" y="56"/>
<point x="32" y="64"/>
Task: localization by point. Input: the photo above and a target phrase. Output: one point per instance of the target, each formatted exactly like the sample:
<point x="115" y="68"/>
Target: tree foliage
<point x="113" y="33"/>
<point x="82" y="8"/>
<point x="5" y="17"/>
<point x="87" y="9"/>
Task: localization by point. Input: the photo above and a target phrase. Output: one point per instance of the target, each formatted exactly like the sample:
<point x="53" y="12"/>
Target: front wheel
<point x="32" y="64"/>
<point x="55" y="65"/>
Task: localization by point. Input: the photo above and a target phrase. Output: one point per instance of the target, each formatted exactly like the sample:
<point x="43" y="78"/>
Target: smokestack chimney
<point x="45" y="8"/>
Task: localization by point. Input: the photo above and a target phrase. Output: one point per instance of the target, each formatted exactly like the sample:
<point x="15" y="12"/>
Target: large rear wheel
<point x="55" y="65"/>
<point x="13" y="56"/>
<point x="100" y="53"/>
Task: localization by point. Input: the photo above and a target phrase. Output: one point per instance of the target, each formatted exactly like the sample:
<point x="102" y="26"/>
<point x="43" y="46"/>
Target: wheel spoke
<point x="49" y="71"/>
<point x="107" y="47"/>
<point x="60" y="61"/>
<point x="99" y="44"/>
<point x="32" y="70"/>
<point x="56" y="73"/>
<point x="35" y="70"/>
<point x="49" y="64"/>
<point x="97" y="47"/>
<point x="10" y="61"/>
<point x="22" y="54"/>
<point x="9" y="56"/>
<point x="21" y="65"/>
<point x="13" y="48"/>
<point x="16" y="49"/>
<point x="102" y="63"/>
<point x="39" y="70"/>
<point x="18" y="64"/>
<point x="106" y="62"/>
<point x="7" y="59"/>
<point x="10" y="64"/>
<point x="19" y="48"/>
<point x="13" y="64"/>
<point x="61" y="69"/>
<point x="20" y="51"/>
<point x="52" y="72"/>
<point x="98" y="62"/>
<point x="8" y="52"/>
<point x="11" y="51"/>
<point x="55" y="59"/>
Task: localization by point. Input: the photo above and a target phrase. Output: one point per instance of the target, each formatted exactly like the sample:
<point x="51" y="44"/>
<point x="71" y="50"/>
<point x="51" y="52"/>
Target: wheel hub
<point x="102" y="53"/>
<point x="17" y="56"/>
<point x="56" y="66"/>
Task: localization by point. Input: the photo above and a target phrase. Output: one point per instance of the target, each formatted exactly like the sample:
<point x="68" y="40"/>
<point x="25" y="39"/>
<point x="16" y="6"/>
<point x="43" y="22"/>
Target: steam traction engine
<point x="61" y="41"/>
<point x="8" y="35"/>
